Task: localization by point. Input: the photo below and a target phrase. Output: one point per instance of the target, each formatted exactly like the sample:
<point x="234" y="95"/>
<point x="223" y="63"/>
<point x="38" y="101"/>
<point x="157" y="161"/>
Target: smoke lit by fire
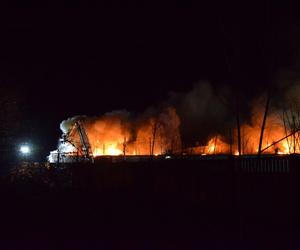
<point x="278" y="136"/>
<point x="157" y="133"/>
<point x="117" y="133"/>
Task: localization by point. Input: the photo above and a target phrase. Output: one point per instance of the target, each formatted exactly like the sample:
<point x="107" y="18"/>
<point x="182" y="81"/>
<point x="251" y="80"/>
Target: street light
<point x="25" y="149"/>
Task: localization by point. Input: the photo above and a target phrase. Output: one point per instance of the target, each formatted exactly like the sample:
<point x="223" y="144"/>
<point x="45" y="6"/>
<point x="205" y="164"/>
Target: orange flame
<point x="275" y="130"/>
<point x="114" y="134"/>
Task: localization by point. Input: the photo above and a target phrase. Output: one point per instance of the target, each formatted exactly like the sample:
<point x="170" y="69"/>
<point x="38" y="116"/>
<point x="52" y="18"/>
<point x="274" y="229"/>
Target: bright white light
<point x="25" y="149"/>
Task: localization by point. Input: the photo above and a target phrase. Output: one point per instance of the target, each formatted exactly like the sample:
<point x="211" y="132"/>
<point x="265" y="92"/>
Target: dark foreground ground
<point x="151" y="205"/>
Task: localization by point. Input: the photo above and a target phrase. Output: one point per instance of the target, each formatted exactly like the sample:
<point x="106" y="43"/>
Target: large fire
<point x="280" y="137"/>
<point x="117" y="134"/>
<point x="155" y="133"/>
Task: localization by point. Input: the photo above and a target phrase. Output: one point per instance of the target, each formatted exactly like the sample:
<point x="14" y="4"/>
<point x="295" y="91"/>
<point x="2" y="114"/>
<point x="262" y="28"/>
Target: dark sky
<point x="78" y="61"/>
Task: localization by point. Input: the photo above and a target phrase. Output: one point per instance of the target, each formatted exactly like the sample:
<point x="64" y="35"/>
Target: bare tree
<point x="155" y="125"/>
<point x="291" y="122"/>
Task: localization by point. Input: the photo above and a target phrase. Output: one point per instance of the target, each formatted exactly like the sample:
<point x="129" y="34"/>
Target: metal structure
<point x="84" y="149"/>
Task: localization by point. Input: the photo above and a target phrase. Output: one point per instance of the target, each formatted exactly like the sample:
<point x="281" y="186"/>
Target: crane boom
<point x="85" y="144"/>
<point x="84" y="149"/>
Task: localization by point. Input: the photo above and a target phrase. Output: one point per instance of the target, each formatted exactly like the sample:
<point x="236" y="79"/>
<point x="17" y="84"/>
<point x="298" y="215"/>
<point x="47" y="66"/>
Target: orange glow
<point x="111" y="150"/>
<point x="115" y="134"/>
<point x="250" y="134"/>
<point x="157" y="134"/>
<point x="216" y="146"/>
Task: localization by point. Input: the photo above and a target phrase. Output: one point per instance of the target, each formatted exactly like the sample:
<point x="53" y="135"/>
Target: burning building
<point x="161" y="132"/>
<point x="118" y="133"/>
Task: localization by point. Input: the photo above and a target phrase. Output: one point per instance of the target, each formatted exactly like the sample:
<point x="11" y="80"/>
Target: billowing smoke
<point x="119" y="132"/>
<point x="208" y="119"/>
<point x="203" y="112"/>
<point x="67" y="124"/>
<point x="204" y="118"/>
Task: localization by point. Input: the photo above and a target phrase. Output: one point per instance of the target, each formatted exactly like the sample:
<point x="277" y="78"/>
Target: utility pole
<point x="263" y="124"/>
<point x="238" y="126"/>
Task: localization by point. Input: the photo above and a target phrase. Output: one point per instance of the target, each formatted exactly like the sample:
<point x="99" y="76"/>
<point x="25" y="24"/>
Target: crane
<point x="85" y="148"/>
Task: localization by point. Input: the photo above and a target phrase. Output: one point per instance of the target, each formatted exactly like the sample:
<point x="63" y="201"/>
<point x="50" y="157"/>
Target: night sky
<point x="77" y="61"/>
